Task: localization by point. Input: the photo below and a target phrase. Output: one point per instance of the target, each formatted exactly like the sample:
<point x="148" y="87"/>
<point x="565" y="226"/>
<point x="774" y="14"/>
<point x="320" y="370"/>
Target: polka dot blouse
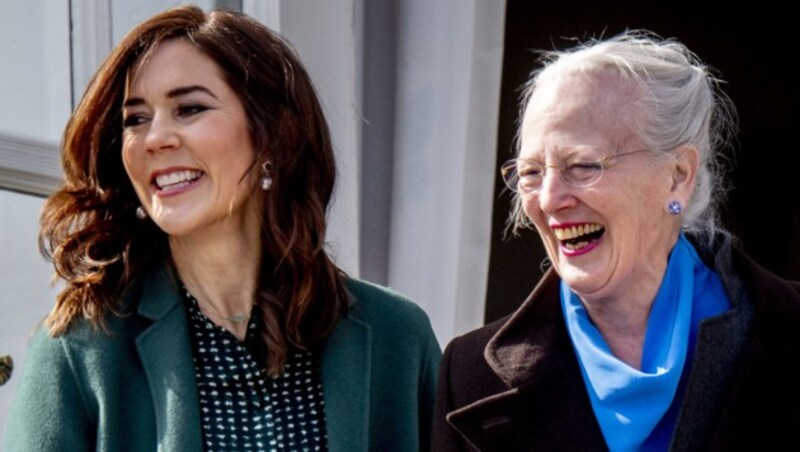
<point x="241" y="408"/>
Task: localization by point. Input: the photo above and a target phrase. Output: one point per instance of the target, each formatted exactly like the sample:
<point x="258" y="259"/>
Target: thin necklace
<point x="238" y="318"/>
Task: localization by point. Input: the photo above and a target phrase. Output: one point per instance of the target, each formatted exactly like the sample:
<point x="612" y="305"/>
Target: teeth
<point x="575" y="246"/>
<point x="177" y="177"/>
<point x="576" y="231"/>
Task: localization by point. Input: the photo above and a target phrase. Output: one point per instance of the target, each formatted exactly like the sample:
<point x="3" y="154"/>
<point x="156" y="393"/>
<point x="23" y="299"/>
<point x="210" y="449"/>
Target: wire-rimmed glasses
<point x="525" y="176"/>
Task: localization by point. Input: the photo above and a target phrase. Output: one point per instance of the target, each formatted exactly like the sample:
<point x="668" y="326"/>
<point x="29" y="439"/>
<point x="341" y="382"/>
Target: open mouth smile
<point x="175" y="180"/>
<point x="578" y="238"/>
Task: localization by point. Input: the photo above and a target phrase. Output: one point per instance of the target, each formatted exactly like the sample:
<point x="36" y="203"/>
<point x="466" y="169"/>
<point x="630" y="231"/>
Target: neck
<point x="623" y="329"/>
<point x="220" y="269"/>
<point x="622" y="317"/>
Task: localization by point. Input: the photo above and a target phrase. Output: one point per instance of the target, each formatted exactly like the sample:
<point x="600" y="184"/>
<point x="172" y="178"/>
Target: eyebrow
<point x="176" y="92"/>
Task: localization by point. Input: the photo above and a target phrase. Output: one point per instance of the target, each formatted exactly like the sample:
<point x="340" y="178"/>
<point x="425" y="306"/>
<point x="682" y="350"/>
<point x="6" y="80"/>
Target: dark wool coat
<point x="135" y="389"/>
<point x="516" y="385"/>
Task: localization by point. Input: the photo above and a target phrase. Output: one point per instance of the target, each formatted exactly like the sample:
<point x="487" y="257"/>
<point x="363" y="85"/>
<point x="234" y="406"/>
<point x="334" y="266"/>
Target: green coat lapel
<point x="166" y="354"/>
<point x="346" y="364"/>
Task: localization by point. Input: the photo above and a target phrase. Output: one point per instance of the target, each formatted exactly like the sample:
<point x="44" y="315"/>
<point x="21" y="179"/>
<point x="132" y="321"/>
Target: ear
<point x="684" y="172"/>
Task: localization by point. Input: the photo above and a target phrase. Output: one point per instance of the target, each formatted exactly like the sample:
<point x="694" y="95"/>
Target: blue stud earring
<point x="674" y="208"/>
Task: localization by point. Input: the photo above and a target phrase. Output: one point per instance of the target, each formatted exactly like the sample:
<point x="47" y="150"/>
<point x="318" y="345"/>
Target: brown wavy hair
<point x="101" y="251"/>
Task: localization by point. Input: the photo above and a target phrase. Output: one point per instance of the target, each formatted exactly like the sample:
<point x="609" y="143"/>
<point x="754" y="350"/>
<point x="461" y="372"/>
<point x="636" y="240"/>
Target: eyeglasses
<point x="525" y="176"/>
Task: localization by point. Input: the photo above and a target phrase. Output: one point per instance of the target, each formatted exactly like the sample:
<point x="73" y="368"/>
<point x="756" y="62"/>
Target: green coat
<point x="135" y="388"/>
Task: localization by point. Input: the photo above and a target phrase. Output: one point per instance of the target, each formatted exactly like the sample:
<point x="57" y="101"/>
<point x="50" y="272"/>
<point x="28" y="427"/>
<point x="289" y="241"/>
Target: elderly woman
<point x="651" y="330"/>
<point x="200" y="310"/>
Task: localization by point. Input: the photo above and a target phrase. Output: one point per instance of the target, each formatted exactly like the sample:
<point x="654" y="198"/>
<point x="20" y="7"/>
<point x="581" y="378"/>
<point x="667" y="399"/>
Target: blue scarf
<point x="629" y="403"/>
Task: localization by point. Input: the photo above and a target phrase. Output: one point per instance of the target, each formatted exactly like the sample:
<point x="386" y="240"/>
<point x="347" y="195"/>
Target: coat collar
<point x="533" y="339"/>
<point x="166" y="353"/>
<point x="721" y="342"/>
<point x="346" y="362"/>
<point x="346" y="370"/>
<point x="159" y="294"/>
<point x="532" y="355"/>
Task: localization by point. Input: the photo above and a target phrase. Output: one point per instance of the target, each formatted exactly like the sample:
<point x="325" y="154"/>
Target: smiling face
<point x="613" y="237"/>
<point x="186" y="144"/>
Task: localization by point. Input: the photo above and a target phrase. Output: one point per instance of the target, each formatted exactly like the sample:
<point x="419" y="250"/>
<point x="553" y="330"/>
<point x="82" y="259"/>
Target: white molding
<point x="33" y="166"/>
<point x="28" y="165"/>
<point x="91" y="41"/>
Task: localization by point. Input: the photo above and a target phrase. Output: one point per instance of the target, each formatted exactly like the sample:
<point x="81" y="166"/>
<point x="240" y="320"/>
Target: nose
<point x="554" y="194"/>
<point x="161" y="135"/>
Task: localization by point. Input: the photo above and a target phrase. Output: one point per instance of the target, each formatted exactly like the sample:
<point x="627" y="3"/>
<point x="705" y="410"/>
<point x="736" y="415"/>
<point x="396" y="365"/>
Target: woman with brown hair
<point x="200" y="309"/>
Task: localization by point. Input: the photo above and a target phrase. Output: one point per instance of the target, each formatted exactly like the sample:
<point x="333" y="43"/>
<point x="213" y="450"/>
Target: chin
<point x="174" y="228"/>
<point x="578" y="279"/>
<point x="578" y="286"/>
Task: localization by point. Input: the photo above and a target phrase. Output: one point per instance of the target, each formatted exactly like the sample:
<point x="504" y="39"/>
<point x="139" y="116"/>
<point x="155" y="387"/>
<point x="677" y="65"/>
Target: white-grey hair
<point x="682" y="105"/>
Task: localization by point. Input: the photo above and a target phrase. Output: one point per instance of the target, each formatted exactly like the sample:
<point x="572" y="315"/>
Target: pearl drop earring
<point x="266" y="175"/>
<point x="140" y="213"/>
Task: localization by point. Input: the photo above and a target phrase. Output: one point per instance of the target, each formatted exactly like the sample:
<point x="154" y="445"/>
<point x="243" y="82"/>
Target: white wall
<point x="34" y="103"/>
<point x="325" y="37"/>
<point x="125" y="14"/>
<point x="449" y="60"/>
<point x="35" y="75"/>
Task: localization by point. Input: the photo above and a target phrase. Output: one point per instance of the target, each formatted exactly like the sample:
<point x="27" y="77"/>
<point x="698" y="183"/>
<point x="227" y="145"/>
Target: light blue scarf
<point x="628" y="403"/>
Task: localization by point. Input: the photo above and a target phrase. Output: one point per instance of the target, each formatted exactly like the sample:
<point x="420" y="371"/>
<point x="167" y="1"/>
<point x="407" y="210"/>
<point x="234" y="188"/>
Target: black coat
<point x="516" y="384"/>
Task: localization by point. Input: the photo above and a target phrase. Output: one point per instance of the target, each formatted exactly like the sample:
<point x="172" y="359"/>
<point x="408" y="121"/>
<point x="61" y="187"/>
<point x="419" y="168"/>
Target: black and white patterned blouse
<point x="241" y="408"/>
